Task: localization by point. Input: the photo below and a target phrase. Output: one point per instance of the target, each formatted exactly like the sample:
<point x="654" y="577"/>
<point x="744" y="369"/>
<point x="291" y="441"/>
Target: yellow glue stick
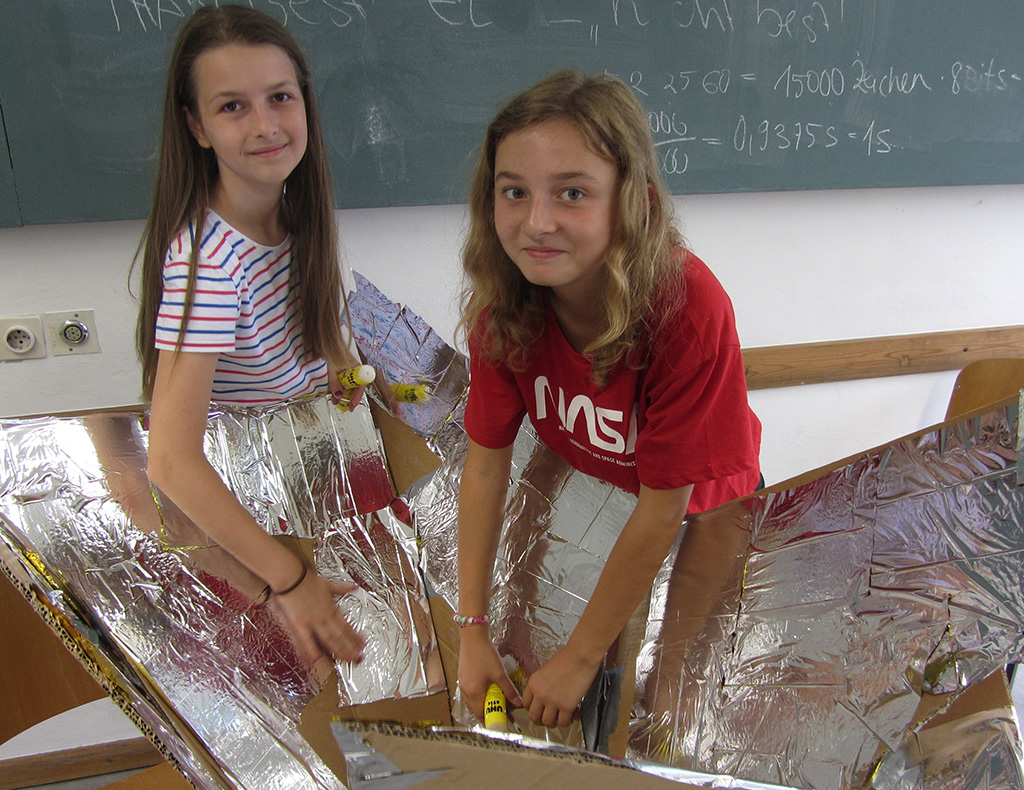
<point x="495" y="717"/>
<point x="357" y="377"/>
<point x="410" y="393"/>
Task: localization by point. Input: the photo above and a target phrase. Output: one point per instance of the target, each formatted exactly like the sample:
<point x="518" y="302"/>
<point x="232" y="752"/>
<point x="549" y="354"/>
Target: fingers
<point x="317" y="624"/>
<point x="345" y="644"/>
<point x="308" y="648"/>
<point x="474" y="691"/>
<point x="339" y="589"/>
<point x="551" y="715"/>
<point x="475" y="703"/>
<point x="335" y="634"/>
<point x="510" y="691"/>
<point x="479" y="667"/>
<point x="337" y="642"/>
<point x="347" y="400"/>
<point x="476" y="696"/>
<point x="547" y="713"/>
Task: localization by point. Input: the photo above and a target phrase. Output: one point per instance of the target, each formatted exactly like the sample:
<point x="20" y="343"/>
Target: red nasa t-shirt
<point x="684" y="419"/>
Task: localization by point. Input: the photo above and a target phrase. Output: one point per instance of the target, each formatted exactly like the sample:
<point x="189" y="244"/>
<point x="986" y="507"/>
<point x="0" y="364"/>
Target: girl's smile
<point x="268" y="153"/>
<point x="542" y="253"/>
<point x="252" y="114"/>
<point x="554" y="208"/>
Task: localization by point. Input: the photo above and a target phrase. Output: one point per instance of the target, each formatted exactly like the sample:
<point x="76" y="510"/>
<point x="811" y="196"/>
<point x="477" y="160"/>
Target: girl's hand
<point x="554" y="692"/>
<point x="479" y="667"/>
<point x="341" y="397"/>
<point x="347" y="399"/>
<point x="317" y="625"/>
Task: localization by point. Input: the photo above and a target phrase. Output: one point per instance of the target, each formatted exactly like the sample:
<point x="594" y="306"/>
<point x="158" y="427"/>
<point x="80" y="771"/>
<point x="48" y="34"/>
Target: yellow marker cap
<point x="357" y="377"/>
<point x="495" y="717"/>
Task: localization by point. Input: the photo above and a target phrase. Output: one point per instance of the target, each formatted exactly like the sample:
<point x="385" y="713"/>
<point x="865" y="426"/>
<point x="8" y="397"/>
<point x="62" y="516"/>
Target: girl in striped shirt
<point x="241" y="286"/>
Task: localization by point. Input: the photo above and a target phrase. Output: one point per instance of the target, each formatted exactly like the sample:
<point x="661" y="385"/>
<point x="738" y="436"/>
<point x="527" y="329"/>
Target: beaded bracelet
<point x="462" y="621"/>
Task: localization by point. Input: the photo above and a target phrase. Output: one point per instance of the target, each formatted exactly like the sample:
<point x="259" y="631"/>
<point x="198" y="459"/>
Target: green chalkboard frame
<point x="743" y="95"/>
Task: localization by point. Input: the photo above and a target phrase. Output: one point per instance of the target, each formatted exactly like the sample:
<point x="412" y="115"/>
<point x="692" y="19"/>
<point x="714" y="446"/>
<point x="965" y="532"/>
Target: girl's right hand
<point x="317" y="624"/>
<point x="479" y="667"/>
<point x="345" y="399"/>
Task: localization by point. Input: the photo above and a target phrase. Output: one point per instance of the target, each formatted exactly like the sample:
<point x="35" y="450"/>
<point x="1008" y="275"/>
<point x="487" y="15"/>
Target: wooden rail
<point x="78" y="762"/>
<point x="876" y="357"/>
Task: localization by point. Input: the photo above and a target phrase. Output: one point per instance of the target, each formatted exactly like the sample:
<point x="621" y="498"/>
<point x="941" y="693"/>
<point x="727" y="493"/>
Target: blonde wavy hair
<point x="501" y="310"/>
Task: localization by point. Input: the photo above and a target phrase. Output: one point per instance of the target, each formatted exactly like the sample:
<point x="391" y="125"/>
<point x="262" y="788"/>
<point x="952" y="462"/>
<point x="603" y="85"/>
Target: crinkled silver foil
<point x="299" y="465"/>
<point x="405" y="350"/>
<point x="843" y="602"/>
<point x="178" y="617"/>
<point x="895" y="576"/>
<point x="827" y="612"/>
<point x="369" y="769"/>
<point x="560" y="526"/>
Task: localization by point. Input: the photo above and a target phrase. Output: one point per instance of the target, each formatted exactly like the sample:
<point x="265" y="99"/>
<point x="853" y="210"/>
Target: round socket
<point x="19" y="339"/>
<point x="74" y="333"/>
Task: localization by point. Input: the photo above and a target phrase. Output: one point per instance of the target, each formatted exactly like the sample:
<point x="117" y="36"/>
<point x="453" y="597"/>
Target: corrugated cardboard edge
<point x="475" y="761"/>
<point x="957" y="728"/>
<point x="315" y="726"/>
<point x="94" y="662"/>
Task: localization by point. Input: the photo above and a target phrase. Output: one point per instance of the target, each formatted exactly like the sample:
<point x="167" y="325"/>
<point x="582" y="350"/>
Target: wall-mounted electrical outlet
<point x="72" y="332"/>
<point x="21" y="337"/>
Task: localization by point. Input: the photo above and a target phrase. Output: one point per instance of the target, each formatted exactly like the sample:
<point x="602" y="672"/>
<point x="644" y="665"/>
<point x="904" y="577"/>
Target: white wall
<point x="800" y="266"/>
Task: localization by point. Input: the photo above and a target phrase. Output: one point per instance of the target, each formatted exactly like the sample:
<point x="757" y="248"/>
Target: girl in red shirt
<point x="584" y="310"/>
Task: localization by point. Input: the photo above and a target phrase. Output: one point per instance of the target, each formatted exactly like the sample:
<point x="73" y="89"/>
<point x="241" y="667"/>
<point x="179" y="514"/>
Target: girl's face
<point x="554" y="207"/>
<point x="251" y="113"/>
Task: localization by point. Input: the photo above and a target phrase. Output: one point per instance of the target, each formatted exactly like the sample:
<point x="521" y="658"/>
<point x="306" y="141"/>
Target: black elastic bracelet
<point x="305" y="569"/>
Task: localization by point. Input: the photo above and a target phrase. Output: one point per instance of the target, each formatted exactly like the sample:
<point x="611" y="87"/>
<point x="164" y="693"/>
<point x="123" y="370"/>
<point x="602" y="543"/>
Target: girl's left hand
<point x="554" y="692"/>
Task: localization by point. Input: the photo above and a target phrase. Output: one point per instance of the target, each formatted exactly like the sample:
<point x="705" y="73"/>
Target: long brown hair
<point x="500" y="307"/>
<point x="187" y="176"/>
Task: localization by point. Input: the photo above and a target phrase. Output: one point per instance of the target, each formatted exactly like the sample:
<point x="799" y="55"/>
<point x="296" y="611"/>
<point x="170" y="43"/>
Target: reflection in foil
<point x="369" y="769"/>
<point x="792" y="639"/>
<point x="405" y="350"/>
<point x="892" y="577"/>
<point x="177" y="617"/>
<point x="298" y="465"/>
<point x="560" y="526"/>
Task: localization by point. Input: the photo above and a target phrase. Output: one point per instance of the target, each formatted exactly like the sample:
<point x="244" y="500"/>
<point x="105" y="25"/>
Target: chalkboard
<point x="743" y="95"/>
<point x="9" y="215"/>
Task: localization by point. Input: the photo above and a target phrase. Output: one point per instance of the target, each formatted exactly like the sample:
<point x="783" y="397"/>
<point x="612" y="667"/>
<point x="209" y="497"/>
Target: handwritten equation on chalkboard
<point x="742" y="95"/>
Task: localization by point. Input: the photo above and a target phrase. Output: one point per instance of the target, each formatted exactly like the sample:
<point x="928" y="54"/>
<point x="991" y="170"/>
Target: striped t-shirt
<point x="245" y="309"/>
